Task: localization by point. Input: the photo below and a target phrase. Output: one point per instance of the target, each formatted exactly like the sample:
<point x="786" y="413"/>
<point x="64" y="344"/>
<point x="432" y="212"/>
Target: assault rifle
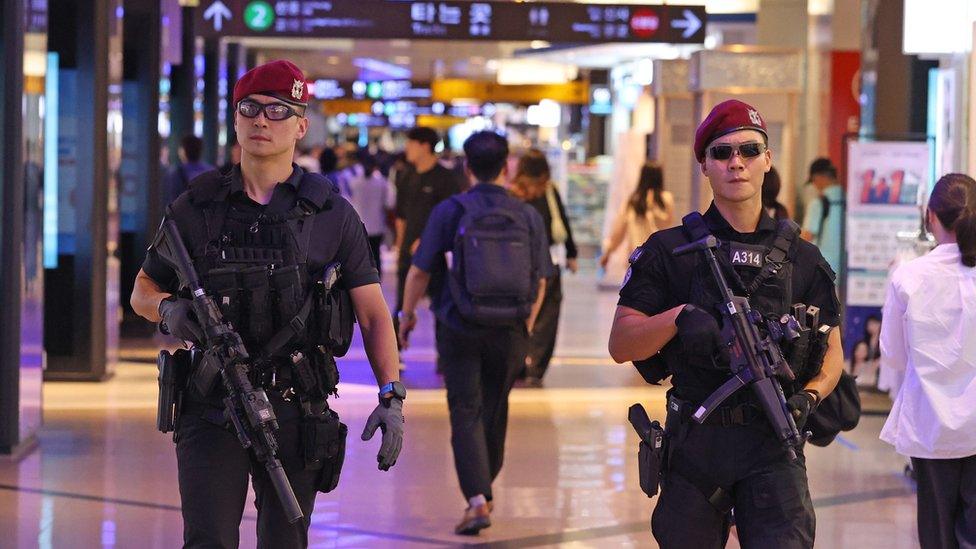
<point x="248" y="409"/>
<point x="756" y="359"/>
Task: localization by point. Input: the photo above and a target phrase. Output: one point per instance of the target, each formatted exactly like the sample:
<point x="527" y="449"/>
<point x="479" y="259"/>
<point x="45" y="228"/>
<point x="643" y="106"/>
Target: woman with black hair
<point x="648" y="209"/>
<point x="770" y="196"/>
<point x="928" y="334"/>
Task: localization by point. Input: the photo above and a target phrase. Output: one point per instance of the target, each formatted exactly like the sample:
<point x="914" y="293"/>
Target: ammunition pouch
<point x="324" y="448"/>
<point x="314" y="376"/>
<point x="257" y="287"/>
<point x="225" y="286"/>
<point x="334" y="318"/>
<point x="288" y="286"/>
<point x="650" y="460"/>
<point x="173" y="372"/>
<point x="204" y="374"/>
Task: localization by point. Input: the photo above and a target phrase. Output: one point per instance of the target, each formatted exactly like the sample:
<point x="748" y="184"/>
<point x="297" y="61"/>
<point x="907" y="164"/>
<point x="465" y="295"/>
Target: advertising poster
<point x="887" y="184"/>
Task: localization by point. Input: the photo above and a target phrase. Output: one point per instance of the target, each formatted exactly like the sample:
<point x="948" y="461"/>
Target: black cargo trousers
<point x="770" y="495"/>
<point x="213" y="474"/>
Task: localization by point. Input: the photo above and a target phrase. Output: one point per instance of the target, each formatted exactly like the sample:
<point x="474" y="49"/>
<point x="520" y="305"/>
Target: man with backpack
<point x="489" y="257"/>
<point x="824" y="215"/>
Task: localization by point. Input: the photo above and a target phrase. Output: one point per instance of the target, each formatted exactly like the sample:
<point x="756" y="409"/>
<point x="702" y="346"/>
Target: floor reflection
<point x="103" y="477"/>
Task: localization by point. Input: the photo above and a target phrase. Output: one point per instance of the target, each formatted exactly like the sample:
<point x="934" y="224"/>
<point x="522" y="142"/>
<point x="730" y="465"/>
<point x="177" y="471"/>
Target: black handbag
<point x="840" y="411"/>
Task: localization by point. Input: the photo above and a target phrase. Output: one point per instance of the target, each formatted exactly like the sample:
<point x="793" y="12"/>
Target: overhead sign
<point x="453" y="20"/>
<point x="326" y="88"/>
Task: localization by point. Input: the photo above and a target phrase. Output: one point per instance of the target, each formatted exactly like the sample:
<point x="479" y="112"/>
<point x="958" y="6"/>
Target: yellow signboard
<point x="438" y="122"/>
<point x="348" y="106"/>
<point x="454" y="89"/>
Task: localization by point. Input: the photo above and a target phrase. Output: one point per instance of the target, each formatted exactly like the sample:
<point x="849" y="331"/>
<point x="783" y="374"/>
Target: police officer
<point x="258" y="236"/>
<point x="668" y="305"/>
<point x="481" y="360"/>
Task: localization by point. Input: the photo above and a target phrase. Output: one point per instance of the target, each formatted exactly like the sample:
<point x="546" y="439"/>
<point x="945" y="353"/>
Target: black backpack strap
<point x="778" y="254"/>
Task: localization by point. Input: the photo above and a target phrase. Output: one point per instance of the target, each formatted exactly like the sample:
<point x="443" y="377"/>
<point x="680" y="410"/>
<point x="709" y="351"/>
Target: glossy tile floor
<point x="103" y="477"/>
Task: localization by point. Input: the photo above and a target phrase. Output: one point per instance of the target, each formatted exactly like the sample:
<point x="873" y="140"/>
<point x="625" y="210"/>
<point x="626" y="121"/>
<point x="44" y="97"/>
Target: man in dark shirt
<point x="734" y="455"/>
<point x="480" y="362"/>
<point x="190" y="165"/>
<point x="243" y="224"/>
<point x="424" y="185"/>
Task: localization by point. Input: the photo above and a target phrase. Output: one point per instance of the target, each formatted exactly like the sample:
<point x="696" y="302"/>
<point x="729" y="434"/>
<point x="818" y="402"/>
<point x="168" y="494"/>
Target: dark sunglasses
<point x="746" y="150"/>
<point x="272" y="111"/>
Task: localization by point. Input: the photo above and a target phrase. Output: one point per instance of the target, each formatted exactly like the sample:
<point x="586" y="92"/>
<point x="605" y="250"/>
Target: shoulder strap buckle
<point x="778" y="253"/>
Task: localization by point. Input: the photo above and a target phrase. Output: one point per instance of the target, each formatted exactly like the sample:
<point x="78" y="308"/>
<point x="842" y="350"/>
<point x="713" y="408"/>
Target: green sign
<point x="259" y="16"/>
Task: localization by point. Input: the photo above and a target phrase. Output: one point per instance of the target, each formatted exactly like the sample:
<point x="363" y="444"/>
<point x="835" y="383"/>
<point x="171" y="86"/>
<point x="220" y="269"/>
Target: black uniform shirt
<point x="338" y="233"/>
<point x="417" y="195"/>
<point x="438" y="238"/>
<point x="659" y="281"/>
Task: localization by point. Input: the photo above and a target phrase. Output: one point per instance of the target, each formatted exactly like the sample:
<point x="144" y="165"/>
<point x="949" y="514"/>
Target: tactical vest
<point x="769" y="287"/>
<point x="256" y="267"/>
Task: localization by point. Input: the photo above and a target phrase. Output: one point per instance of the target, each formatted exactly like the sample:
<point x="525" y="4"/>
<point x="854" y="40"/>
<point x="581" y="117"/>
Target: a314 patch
<point x="747" y="255"/>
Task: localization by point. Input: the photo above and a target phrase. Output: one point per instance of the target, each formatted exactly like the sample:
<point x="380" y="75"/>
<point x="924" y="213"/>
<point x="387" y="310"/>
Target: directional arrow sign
<point x="218" y="12"/>
<point x="577" y="23"/>
<point x="691" y="23"/>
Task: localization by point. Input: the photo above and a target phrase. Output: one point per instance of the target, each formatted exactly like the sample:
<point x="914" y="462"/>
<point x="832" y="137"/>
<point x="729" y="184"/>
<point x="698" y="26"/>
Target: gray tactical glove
<point x="178" y="319"/>
<point x="388" y="416"/>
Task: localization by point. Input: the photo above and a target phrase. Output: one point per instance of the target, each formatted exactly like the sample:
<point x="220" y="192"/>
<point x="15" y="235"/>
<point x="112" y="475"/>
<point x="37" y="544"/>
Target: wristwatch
<point x="393" y="389"/>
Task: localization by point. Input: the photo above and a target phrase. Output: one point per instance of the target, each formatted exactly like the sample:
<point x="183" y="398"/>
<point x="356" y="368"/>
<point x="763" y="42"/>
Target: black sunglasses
<point x="746" y="150"/>
<point x="272" y="111"/>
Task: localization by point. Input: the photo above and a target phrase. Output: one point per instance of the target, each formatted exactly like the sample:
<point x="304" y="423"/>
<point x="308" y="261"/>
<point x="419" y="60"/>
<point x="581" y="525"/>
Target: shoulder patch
<point x="634" y="256"/>
<point x="630" y="271"/>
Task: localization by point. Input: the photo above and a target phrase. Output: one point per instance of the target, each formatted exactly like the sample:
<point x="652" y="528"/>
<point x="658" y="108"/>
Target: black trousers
<point x="543" y="340"/>
<point x="770" y="494"/>
<point x="213" y="476"/>
<point x="946" y="502"/>
<point x="403" y="266"/>
<point x="479" y="370"/>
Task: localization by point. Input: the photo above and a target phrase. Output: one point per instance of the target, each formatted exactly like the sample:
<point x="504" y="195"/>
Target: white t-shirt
<point x="928" y="332"/>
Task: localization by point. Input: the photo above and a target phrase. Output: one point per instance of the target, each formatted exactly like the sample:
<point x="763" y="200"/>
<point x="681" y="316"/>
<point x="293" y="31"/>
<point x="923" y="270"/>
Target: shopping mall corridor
<point x="103" y="477"/>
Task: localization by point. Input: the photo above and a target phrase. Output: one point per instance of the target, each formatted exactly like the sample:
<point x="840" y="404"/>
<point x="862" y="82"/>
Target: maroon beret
<point x="281" y="79"/>
<point x="725" y="118"/>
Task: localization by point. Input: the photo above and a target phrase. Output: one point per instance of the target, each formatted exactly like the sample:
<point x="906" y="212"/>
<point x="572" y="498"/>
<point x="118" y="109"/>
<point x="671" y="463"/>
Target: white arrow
<point x="691" y="23"/>
<point x="218" y="12"/>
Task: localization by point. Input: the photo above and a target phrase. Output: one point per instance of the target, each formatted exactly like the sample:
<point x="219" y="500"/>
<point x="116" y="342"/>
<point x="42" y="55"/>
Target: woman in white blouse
<point x="928" y="337"/>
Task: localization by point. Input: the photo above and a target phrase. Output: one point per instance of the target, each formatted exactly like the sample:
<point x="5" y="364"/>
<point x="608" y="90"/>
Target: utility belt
<point x="725" y="416"/>
<point x="323" y="435"/>
<point x="655" y="455"/>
